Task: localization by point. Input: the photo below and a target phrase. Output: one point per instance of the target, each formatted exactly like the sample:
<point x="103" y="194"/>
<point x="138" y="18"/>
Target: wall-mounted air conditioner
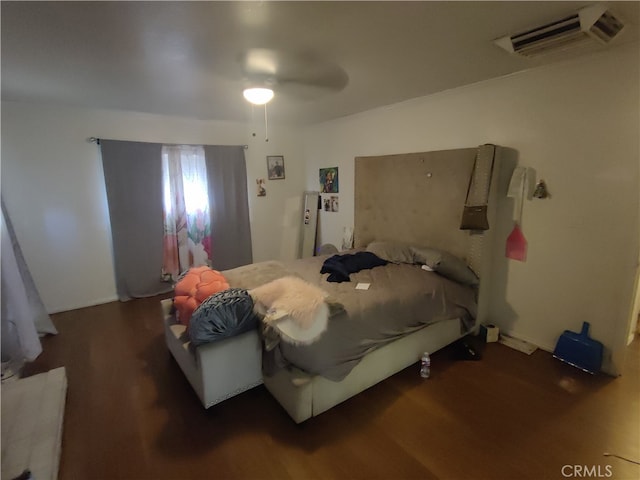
<point x="593" y="23"/>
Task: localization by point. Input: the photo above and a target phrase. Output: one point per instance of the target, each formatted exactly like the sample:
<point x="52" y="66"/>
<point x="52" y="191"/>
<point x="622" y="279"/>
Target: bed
<point x="402" y="204"/>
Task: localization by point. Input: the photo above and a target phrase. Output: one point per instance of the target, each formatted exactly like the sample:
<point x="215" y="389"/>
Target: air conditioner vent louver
<point x="606" y="27"/>
<point x="589" y="24"/>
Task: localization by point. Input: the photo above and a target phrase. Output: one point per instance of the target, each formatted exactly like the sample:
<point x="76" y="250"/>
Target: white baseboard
<point x="542" y="346"/>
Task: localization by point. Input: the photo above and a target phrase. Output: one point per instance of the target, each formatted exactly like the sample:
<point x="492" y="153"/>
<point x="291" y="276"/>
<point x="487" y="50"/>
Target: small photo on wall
<point x="327" y="205"/>
<point x="275" y="167"/>
<point x="334" y="203"/>
<point x="329" y="180"/>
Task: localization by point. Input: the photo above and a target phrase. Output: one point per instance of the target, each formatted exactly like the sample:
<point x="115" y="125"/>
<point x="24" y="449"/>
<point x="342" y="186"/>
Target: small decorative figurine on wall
<point x="262" y="192"/>
<point x="541" y="190"/>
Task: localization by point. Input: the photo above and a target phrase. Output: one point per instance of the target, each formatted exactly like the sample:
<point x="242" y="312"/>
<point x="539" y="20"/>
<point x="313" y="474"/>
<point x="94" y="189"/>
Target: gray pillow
<point x="222" y="315"/>
<point x="391" y="251"/>
<point x="445" y="264"/>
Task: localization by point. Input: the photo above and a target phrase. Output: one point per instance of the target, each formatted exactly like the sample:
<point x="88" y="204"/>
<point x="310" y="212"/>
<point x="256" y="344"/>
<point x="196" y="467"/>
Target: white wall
<point x="577" y="125"/>
<point x="54" y="190"/>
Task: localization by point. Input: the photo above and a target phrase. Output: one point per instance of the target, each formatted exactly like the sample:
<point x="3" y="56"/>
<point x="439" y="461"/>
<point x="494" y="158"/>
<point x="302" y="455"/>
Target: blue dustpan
<point x="579" y="350"/>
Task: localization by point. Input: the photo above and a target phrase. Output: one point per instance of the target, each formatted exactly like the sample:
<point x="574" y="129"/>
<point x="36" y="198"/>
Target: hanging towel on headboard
<point x="518" y="189"/>
<point x="518" y="183"/>
<point x="475" y="214"/>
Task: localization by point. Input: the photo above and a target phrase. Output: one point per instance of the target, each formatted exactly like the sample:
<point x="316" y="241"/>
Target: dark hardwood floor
<point x="131" y="414"/>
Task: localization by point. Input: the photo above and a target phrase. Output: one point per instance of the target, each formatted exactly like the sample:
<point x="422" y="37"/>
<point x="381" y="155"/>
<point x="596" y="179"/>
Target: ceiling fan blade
<point x="294" y="72"/>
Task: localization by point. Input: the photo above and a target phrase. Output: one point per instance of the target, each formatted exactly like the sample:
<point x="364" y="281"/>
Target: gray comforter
<point x="401" y="299"/>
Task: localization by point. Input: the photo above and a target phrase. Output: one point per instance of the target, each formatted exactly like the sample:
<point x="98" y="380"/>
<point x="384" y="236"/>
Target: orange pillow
<point x="198" y="284"/>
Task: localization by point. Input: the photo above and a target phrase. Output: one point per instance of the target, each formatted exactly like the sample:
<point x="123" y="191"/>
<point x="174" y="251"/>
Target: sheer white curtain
<point x="23" y="314"/>
<point x="187" y="225"/>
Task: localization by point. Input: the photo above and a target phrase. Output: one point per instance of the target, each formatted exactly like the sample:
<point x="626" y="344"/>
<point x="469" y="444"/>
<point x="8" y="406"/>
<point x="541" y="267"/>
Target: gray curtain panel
<point x="133" y="178"/>
<point x="229" y="206"/>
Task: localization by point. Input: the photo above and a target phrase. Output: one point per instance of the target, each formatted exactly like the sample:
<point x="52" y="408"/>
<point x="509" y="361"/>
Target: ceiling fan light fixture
<point x="258" y="96"/>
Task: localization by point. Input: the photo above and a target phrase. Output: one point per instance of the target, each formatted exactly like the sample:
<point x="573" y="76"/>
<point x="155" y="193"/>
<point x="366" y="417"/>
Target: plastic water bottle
<point x="425" y="365"/>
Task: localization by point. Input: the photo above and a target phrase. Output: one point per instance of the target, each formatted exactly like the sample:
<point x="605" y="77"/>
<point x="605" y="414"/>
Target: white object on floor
<point x="32" y="415"/>
<point x="491" y="333"/>
<point x="363" y="286"/>
<point x="517" y="344"/>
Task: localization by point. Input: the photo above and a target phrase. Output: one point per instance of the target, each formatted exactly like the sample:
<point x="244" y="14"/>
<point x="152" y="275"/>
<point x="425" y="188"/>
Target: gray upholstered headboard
<point x="418" y="199"/>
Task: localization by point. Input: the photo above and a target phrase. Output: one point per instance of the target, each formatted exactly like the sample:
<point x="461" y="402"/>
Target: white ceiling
<point x="183" y="58"/>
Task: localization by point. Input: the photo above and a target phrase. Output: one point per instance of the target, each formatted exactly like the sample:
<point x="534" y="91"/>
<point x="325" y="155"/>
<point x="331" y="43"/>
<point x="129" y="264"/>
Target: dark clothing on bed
<point x="340" y="266"/>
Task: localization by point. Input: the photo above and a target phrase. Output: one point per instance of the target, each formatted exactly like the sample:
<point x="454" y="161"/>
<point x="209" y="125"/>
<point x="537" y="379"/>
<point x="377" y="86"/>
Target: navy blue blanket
<point x="340" y="266"/>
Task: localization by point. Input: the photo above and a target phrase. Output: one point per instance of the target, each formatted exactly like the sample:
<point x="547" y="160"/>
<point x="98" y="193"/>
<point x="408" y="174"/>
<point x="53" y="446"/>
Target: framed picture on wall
<point x="275" y="167"/>
<point x="329" y="180"/>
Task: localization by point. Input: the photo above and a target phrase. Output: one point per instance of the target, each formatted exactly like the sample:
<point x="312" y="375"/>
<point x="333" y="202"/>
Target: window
<point x="187" y="224"/>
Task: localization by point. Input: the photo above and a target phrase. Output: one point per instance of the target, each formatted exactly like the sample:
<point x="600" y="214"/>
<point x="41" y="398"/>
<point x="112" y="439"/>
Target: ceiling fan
<point x="302" y="75"/>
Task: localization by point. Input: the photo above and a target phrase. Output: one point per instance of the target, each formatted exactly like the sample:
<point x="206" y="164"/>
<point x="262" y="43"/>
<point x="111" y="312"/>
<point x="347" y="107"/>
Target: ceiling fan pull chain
<point x="266" y="124"/>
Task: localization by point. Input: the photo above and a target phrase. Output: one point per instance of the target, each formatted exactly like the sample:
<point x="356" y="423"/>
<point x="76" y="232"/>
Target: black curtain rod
<point x="96" y="140"/>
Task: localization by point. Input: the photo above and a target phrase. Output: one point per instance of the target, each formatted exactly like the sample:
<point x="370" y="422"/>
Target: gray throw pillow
<point x="391" y="251"/>
<point x="445" y="264"/>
